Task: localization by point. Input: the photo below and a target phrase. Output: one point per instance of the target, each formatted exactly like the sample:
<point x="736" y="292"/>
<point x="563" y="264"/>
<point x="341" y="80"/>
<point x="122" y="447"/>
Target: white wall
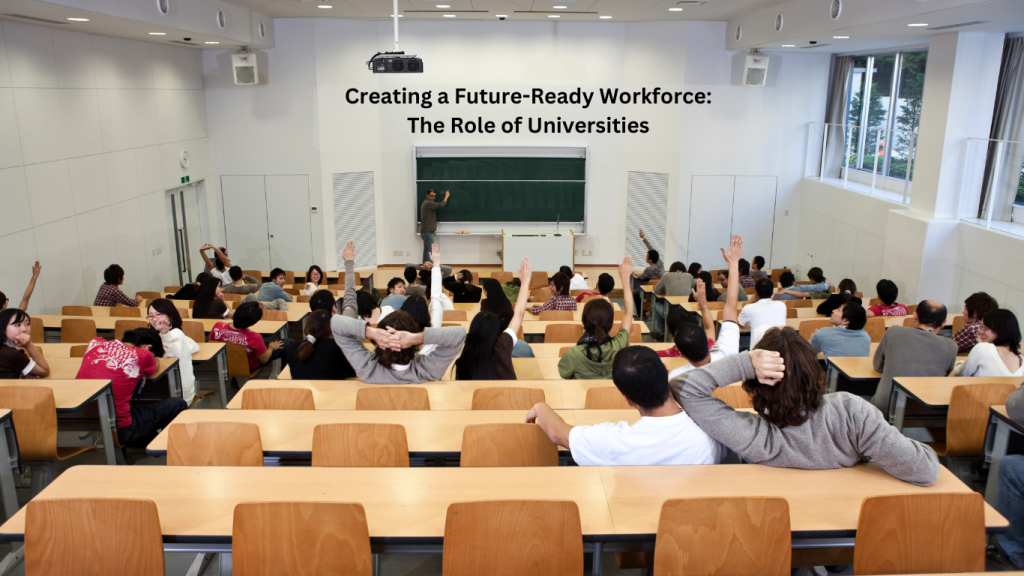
<point x="988" y="261"/>
<point x="90" y="132"/>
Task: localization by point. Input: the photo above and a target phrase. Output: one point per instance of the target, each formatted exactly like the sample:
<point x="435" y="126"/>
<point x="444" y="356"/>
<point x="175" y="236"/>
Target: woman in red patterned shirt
<point x="887" y="293"/>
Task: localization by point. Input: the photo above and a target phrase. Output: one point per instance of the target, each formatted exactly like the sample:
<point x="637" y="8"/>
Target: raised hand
<point x="435" y="255"/>
<point x="769" y="367"/>
<point x="446" y="195"/>
<point x="735" y="250"/>
<point x="349" y="253"/>
<point x="525" y="271"/>
<point x="36" y="269"/>
<point x="642" y="237"/>
<point x="699" y="292"/>
<point x="626" y="270"/>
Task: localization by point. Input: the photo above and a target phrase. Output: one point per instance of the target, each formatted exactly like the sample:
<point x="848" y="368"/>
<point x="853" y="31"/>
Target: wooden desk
<point x="449" y="395"/>
<point x="70" y="396"/>
<point x="10" y="462"/>
<point x="854" y="368"/>
<point x="67" y="369"/>
<point x="933" y="392"/>
<point x="430" y="434"/>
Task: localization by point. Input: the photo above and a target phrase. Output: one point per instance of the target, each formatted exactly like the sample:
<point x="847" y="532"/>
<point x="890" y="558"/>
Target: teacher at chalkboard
<point x="428" y="220"/>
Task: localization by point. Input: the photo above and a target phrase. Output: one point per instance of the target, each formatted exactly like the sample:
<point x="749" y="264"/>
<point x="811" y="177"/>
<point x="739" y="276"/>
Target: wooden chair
<point x="652" y="282"/>
<point x="635" y="336"/>
<point x="506" y="398"/>
<point x="122" y="326"/>
<point x="809" y="327"/>
<point x="195" y="330"/>
<point x="172" y="289"/>
<point x="875" y="327"/>
<point x="278" y="399"/>
<point x="909" y="322"/>
<point x="507" y="445"/>
<point x="289" y="277"/>
<point x="966" y="423"/>
<point x="79" y="351"/>
<point x="562" y="333"/>
<point x="455" y="316"/>
<point x="920" y="533"/>
<point x="76" y="311"/>
<point x="35" y="418"/>
<point x="232" y="298"/>
<point x="238" y="364"/>
<point x="736" y="536"/>
<point x="588" y="299"/>
<point x="301" y="299"/>
<point x="292" y="291"/>
<point x="556" y="316"/>
<point x="540" y="295"/>
<point x="77" y="330"/>
<point x="502" y="277"/>
<point x="76" y="537"/>
<point x="38" y="335"/>
<point x="563" y="350"/>
<point x="805" y="303"/>
<point x="538" y="280"/>
<point x="716" y="305"/>
<point x="605" y="398"/>
<point x="214" y="444"/>
<point x="125" y="312"/>
<point x="734" y="395"/>
<point x="366" y="445"/>
<point x="618" y="314"/>
<point x="148" y="295"/>
<point x="575" y="293"/>
<point x="776" y="274"/>
<point x="874" y="301"/>
<point x="300" y="538"/>
<point x="513" y="537"/>
<point x="958" y="323"/>
<point x="392" y="398"/>
<point x="911" y="309"/>
<point x="791" y="313"/>
<point x="275" y="315"/>
<point x="257" y="274"/>
<point x="341" y="281"/>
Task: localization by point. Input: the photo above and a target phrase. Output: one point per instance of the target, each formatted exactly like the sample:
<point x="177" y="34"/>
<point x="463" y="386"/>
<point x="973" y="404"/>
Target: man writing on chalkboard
<point x="428" y="220"/>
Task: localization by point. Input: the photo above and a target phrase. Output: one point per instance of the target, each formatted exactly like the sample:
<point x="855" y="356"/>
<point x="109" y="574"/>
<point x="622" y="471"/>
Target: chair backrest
<point x="75" y="311"/>
<point x="777" y="273"/>
<point x="292" y="291"/>
<point x="258" y="275"/>
<point x="148" y="295"/>
<point x="540" y="294"/>
<point x="791" y="313"/>
<point x="556" y="316"/>
<point x="968" y="416"/>
<point x="909" y="322"/>
<point x="911" y="308"/>
<point x="301" y="299"/>
<point x="77" y="330"/>
<point x="194" y="329"/>
<point x="806" y="303"/>
<point x="35" y="418"/>
<point x="120" y="327"/>
<point x="875" y="328"/>
<point x="341" y="280"/>
<point x="809" y="327"/>
<point x="300" y="538"/>
<point x="605" y="398"/>
<point x="563" y="350"/>
<point x="920" y="533"/>
<point x="231" y="298"/>
<point x="724" y="536"/>
<point x="588" y="299"/>
<point x="734" y="396"/>
<point x="716" y="305"/>
<point x="958" y="323"/>
<point x="874" y="301"/>
<point x="802" y="283"/>
<point x="172" y="289"/>
<point x="618" y="315"/>
<point x="82" y="536"/>
<point x="562" y="333"/>
<point x="214" y="444"/>
<point x="367" y="445"/>
<point x="38" y="331"/>
<point x="635" y="336"/>
<point x="502" y="277"/>
<point x="238" y="361"/>
<point x="507" y="445"/>
<point x="392" y="398"/>
<point x="277" y="399"/>
<point x="538" y="280"/>
<point x="79" y="351"/>
<point x="125" y="312"/>
<point x="513" y="537"/>
<point x="455" y="316"/>
<point x="275" y="315"/>
<point x="652" y="282"/>
<point x="289" y="277"/>
<point x="506" y="398"/>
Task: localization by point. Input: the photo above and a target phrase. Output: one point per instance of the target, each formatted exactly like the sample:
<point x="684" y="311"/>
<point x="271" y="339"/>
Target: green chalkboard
<point x="504" y="189"/>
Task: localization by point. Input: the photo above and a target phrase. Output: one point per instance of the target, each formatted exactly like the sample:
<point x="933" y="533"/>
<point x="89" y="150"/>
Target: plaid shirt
<point x="966" y="337"/>
<point x="560" y="302"/>
<point x="111" y="295"/>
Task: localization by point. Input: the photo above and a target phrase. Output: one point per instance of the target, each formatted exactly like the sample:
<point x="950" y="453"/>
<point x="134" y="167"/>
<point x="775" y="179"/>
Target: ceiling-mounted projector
<point x="394" y="63"/>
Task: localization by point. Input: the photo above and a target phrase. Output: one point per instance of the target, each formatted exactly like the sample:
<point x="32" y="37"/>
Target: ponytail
<point x="316" y="327"/>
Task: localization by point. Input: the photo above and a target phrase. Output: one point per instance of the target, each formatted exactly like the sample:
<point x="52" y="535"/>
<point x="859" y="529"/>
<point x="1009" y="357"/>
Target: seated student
<point x="4" y="300"/>
<point x="757" y="269"/>
<point x="19" y="357"/>
<point x="676" y="282"/>
<point x="239" y="283"/>
<point x="845" y="293"/>
<point x="591" y="357"/>
<point x="560" y="298"/>
<point x="692" y="341"/>
<point x="975" y="307"/>
<point x="109" y="294"/>
<point x="576" y="281"/>
<point x="317" y="357"/>
<point x="271" y="294"/>
<point x="605" y="284"/>
<point x="723" y="279"/>
<point x="1010" y="499"/>
<point x="796" y="425"/>
<point x="917" y="351"/>
<point x="413" y="287"/>
<point x="126" y="363"/>
<point x="847" y="337"/>
<point x="396" y="294"/>
<point x="746" y="280"/>
<point x="427" y="278"/>
<point x="763" y="313"/>
<point x="654" y="271"/>
<point x="323" y="300"/>
<point x="210" y="301"/>
<point x="711" y="294"/>
<point x="165" y="319"/>
<point x="997" y="352"/>
<point x="487" y="354"/>
<point x="191" y="290"/>
<point x="664" y="434"/>
<point x="219" y="266"/>
<point x="786" y="281"/>
<point x="680" y="316"/>
<point x="798" y="292"/>
<point x="887" y="293"/>
<point x="496" y="302"/>
<point x="313" y="278"/>
<point x="694" y="269"/>
<point x="237" y="332"/>
<point x="462" y="288"/>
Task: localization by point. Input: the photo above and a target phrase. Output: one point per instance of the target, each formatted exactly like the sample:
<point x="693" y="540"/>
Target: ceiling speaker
<point x="755" y="73"/>
<point x="243" y="63"/>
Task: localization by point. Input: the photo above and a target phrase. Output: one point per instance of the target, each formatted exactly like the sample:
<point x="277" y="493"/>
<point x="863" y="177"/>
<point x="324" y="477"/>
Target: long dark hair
<point x="166" y="307"/>
<point x="11" y="316"/>
<point x="416" y="307"/>
<point x="792" y="400"/>
<point x="598" y="317"/>
<point x="1004" y="324"/>
<point x="497" y="301"/>
<point x="400" y="321"/>
<point x="317" y="325"/>
<point x="317" y="268"/>
<point x="694" y="269"/>
<point x="710" y="291"/>
<point x="477" y="359"/>
<point x="207" y="294"/>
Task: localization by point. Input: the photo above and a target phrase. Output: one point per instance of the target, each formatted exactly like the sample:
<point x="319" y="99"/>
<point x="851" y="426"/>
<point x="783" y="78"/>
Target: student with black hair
<point x="126" y="363"/>
<point x="165" y="319"/>
<point x="412" y="285"/>
<point x="272" y="293"/>
<point x="847" y="336"/>
<point x="887" y="292"/>
<point x="654" y="271"/>
<point x="576" y="281"/>
<point x="4" y="300"/>
<point x="396" y="294"/>
<point x="241" y="283"/>
<point x="462" y="288"/>
<point x="313" y="278"/>
<point x="487" y="353"/>
<point x="591" y="357"/>
<point x="975" y="307"/>
<point x="605" y="284"/>
<point x="695" y="269"/>
<point x="676" y="282"/>
<point x="845" y="293"/>
<point x="191" y="290"/>
<point x="802" y="291"/>
<point x="917" y="351"/>
<point x="323" y="300"/>
<point x="997" y="352"/>
<point x="757" y="269"/>
<point x="711" y="294"/>
<point x="317" y="357"/>
<point x="763" y="313"/>
<point x="219" y="266"/>
<point x="786" y="281"/>
<point x="19" y="357"/>
<point x="109" y="294"/>
<point x="210" y="301"/>
<point x="664" y="434"/>
<point x="496" y="301"/>
<point x="560" y="298"/>
<point x="237" y="332"/>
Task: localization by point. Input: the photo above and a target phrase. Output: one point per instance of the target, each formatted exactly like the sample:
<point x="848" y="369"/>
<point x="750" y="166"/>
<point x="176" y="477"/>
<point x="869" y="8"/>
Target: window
<point x="883" y="135"/>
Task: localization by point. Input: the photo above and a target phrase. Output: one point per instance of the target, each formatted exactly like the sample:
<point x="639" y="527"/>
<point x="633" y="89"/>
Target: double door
<point x="183" y="204"/>
<point x="267" y="221"/>
<point x="721" y="206"/>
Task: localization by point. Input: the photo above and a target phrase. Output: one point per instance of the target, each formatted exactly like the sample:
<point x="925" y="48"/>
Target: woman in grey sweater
<point x="795" y="424"/>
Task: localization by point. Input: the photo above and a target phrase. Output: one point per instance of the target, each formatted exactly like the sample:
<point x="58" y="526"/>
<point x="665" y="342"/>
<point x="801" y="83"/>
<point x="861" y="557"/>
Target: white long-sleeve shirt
<point x="177" y="345"/>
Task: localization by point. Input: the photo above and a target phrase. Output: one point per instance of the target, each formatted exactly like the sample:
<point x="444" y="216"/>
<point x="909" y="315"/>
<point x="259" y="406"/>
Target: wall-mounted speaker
<point x="755" y="73"/>
<point x="243" y="63"/>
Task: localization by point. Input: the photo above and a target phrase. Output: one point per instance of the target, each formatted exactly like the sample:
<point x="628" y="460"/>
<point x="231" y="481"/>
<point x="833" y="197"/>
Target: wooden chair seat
<point x="392" y="398"/>
<point x="562" y="333"/>
<point x="507" y="445"/>
<point x="214" y="444"/>
<point x="148" y="295"/>
<point x="605" y="398"/>
<point x="278" y="399"/>
<point x="77" y="330"/>
<point x="172" y="289"/>
<point x="366" y="445"/>
<point x="506" y="398"/>
<point x="556" y="315"/>
<point x="301" y="299"/>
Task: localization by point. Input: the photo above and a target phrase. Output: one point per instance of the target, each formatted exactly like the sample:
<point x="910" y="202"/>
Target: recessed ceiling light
<point x="675" y="9"/>
<point x="501" y="15"/>
<point x="605" y="17"/>
<point x="559" y="7"/>
<point x="789" y="45"/>
<point x="449" y="15"/>
<point x="553" y="16"/>
<point x="158" y="33"/>
<point x="840" y="37"/>
<point x="918" y="25"/>
<point x="392" y="16"/>
<point x="325" y="6"/>
<point x="442" y="6"/>
<point x="213" y="42"/>
<point x="79" y="19"/>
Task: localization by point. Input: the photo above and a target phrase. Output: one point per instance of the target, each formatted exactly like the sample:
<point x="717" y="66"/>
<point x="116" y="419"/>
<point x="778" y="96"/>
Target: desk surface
<point x="264" y="327"/>
<point x="1000" y="412"/>
<point x="538" y="327"/>
<point x="542" y="350"/>
<point x="855" y="367"/>
<point x="68" y="395"/>
<point x="207" y="350"/>
<point x="450" y="395"/>
<point x="936" y="391"/>
<point x="67" y="368"/>
<point x="197" y="503"/>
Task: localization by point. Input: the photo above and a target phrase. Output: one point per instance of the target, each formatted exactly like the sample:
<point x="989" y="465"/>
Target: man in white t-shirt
<point x="763" y="313"/>
<point x="664" y="434"/>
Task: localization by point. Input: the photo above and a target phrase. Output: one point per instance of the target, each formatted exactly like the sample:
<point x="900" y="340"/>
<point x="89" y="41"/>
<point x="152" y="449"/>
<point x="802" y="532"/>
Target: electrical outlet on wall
<point x="406" y="253"/>
<point x="397" y="253"/>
